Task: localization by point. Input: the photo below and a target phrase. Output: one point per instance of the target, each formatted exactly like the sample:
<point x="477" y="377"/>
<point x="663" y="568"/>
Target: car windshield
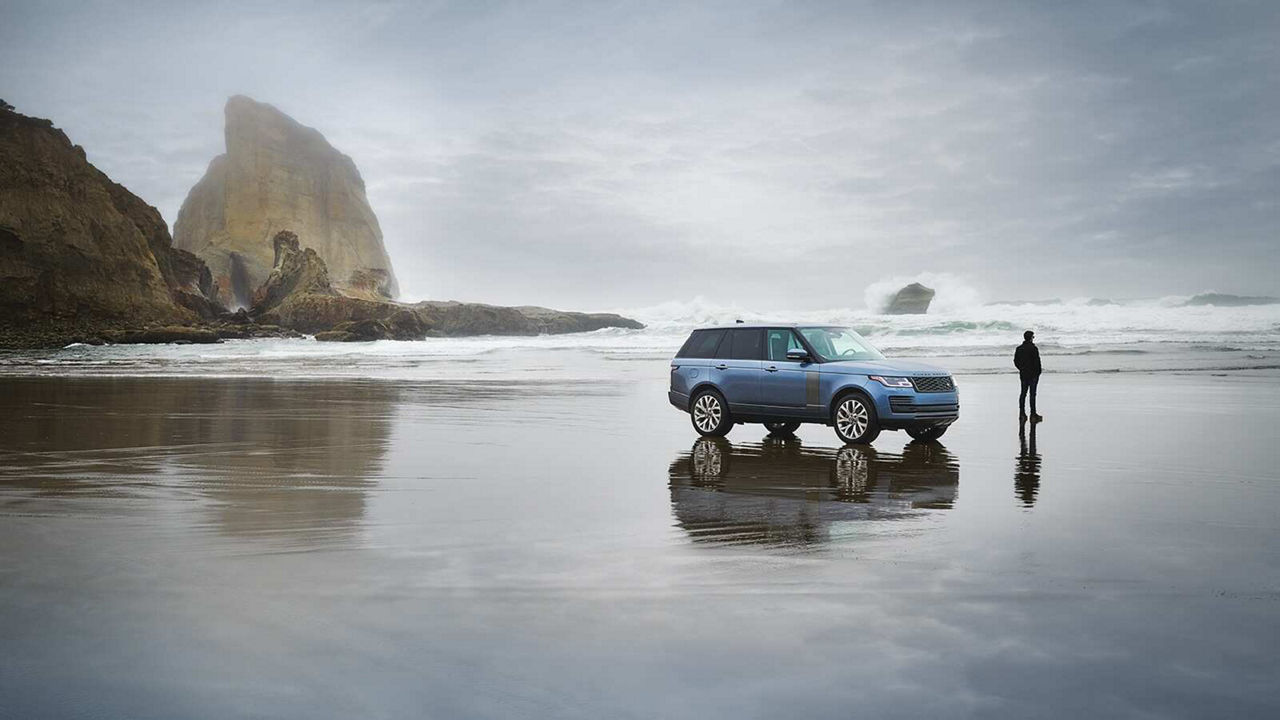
<point x="837" y="343"/>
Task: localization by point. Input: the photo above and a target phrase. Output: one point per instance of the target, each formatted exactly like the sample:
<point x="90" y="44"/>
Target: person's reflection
<point x="778" y="491"/>
<point x="1026" y="478"/>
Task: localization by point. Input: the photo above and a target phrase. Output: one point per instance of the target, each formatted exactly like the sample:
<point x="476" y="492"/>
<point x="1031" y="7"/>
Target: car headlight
<point x="893" y="382"/>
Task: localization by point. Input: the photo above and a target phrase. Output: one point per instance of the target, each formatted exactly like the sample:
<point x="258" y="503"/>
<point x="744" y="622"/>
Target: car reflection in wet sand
<point x="780" y="492"/>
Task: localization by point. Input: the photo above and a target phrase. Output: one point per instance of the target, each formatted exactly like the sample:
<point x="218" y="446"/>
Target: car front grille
<point x="933" y="383"/>
<point x="904" y="404"/>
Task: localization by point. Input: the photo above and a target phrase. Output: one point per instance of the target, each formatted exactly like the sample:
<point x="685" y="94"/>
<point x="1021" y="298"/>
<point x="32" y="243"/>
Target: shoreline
<point x="552" y="355"/>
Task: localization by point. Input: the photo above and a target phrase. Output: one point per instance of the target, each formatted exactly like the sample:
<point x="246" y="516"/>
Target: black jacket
<point x="1027" y="359"/>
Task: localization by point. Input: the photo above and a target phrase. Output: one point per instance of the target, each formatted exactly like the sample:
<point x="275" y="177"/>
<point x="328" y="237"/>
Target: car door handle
<point x="722" y="366"/>
<point x="771" y="368"/>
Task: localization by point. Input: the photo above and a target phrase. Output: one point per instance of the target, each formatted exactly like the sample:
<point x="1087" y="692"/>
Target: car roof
<point x="761" y="326"/>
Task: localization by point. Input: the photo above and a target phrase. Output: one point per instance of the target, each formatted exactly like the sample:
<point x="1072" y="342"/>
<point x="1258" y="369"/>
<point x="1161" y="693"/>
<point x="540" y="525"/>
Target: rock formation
<point x="83" y="259"/>
<point x="80" y="253"/>
<point x="298" y="295"/>
<point x="460" y="319"/>
<point x="275" y="175"/>
<point x="913" y="299"/>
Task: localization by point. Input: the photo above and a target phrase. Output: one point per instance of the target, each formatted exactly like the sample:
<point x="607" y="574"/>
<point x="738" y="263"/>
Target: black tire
<point x="709" y="414"/>
<point x="782" y="427"/>
<point x="854" y="418"/>
<point x="927" y="434"/>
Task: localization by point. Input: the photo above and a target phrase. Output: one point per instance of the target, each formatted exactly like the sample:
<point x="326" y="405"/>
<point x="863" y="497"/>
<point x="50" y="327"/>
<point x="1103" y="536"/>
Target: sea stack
<point x="913" y="299"/>
<point x="278" y="174"/>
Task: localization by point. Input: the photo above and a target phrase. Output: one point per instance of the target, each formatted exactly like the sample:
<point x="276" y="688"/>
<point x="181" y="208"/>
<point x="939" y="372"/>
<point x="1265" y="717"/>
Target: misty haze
<point x="690" y="360"/>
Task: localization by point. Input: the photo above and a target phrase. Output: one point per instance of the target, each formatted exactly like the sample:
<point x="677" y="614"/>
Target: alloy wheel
<point x="707" y="413"/>
<point x="852" y="419"/>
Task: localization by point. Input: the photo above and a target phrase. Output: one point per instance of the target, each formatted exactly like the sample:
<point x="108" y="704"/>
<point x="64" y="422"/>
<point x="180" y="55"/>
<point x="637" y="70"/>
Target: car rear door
<point x="737" y="366"/>
<point x="783" y="381"/>
<point x="691" y="365"/>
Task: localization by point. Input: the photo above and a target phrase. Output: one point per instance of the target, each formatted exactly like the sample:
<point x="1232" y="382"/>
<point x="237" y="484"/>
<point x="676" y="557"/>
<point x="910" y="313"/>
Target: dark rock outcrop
<point x="401" y="325"/>
<point x="299" y="295"/>
<point x="913" y="299"/>
<point x="180" y="334"/>
<point x="456" y="318"/>
<point x="296" y="272"/>
<point x="79" y="253"/>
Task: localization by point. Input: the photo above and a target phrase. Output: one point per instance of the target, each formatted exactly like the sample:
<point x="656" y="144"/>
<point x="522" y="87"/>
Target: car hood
<point x="906" y="368"/>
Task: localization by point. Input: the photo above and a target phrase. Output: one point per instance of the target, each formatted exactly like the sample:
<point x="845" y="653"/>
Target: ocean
<point x="1075" y="336"/>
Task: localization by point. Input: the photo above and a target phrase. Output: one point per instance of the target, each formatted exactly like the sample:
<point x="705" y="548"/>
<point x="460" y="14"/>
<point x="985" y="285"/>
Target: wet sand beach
<point x="558" y="543"/>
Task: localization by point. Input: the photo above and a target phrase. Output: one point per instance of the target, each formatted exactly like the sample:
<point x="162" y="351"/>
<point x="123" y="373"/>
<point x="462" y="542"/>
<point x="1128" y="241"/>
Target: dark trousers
<point x="1029" y="382"/>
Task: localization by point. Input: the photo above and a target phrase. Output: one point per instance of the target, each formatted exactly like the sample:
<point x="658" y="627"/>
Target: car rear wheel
<point x="710" y="414"/>
<point x="927" y="434"/>
<point x="855" y="420"/>
<point x="781" y="427"/>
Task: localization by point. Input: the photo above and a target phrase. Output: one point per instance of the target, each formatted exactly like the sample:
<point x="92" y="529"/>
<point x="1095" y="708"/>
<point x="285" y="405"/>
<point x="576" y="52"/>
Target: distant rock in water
<point x="299" y="295"/>
<point x="913" y="299"/>
<point x="80" y="254"/>
<point x="1227" y="300"/>
<point x="280" y="175"/>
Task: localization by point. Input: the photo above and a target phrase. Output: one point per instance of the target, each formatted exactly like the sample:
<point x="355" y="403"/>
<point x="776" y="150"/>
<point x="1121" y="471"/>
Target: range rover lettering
<point x="784" y="375"/>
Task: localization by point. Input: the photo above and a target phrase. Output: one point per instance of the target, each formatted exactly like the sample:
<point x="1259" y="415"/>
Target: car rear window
<point x="747" y="345"/>
<point x="701" y="344"/>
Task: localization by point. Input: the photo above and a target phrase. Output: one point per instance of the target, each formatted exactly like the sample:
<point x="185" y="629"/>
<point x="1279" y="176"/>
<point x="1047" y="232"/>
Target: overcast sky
<point x="612" y="154"/>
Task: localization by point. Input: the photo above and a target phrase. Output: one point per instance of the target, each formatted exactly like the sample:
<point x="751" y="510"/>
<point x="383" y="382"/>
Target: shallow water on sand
<point x="557" y="543"/>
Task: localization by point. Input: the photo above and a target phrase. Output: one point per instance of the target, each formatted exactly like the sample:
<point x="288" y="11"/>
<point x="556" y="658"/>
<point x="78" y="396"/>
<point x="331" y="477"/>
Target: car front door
<point x="736" y="367"/>
<point x="783" y="381"/>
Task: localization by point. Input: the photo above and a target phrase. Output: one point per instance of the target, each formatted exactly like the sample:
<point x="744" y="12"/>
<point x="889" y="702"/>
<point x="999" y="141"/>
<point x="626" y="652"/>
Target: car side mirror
<point x="798" y="354"/>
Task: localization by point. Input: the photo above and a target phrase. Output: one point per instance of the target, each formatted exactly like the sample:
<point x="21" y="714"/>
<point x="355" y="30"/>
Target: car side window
<point x="778" y="342"/>
<point x="746" y="344"/>
<point x="726" y="347"/>
<point x="702" y="344"/>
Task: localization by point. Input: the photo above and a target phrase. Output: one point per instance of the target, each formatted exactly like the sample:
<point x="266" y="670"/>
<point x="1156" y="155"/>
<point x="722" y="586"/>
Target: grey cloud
<point x="606" y="155"/>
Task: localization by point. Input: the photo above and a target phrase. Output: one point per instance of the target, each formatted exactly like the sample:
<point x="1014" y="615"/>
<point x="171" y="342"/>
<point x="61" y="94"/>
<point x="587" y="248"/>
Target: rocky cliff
<point x="78" y="252"/>
<point x="280" y="175"/>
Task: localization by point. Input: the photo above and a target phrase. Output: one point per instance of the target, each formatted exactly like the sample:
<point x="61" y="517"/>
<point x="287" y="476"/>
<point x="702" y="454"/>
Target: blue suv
<point x="784" y="375"/>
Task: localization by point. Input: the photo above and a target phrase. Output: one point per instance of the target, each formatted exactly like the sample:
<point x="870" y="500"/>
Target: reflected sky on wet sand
<point x="208" y="548"/>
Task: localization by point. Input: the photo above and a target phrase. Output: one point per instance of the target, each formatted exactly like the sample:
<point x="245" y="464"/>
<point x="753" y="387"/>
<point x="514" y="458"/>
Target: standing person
<point x="1027" y="359"/>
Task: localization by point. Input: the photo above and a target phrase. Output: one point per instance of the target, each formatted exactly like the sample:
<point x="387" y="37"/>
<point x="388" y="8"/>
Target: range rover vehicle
<point x="784" y="375"/>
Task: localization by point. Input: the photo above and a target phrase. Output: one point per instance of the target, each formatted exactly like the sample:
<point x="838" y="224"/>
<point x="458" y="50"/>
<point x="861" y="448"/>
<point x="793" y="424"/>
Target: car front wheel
<point x="710" y="414"/>
<point x="855" y="420"/>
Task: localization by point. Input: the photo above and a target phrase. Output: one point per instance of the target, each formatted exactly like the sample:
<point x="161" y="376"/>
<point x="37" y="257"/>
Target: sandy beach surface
<point x="557" y="543"/>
